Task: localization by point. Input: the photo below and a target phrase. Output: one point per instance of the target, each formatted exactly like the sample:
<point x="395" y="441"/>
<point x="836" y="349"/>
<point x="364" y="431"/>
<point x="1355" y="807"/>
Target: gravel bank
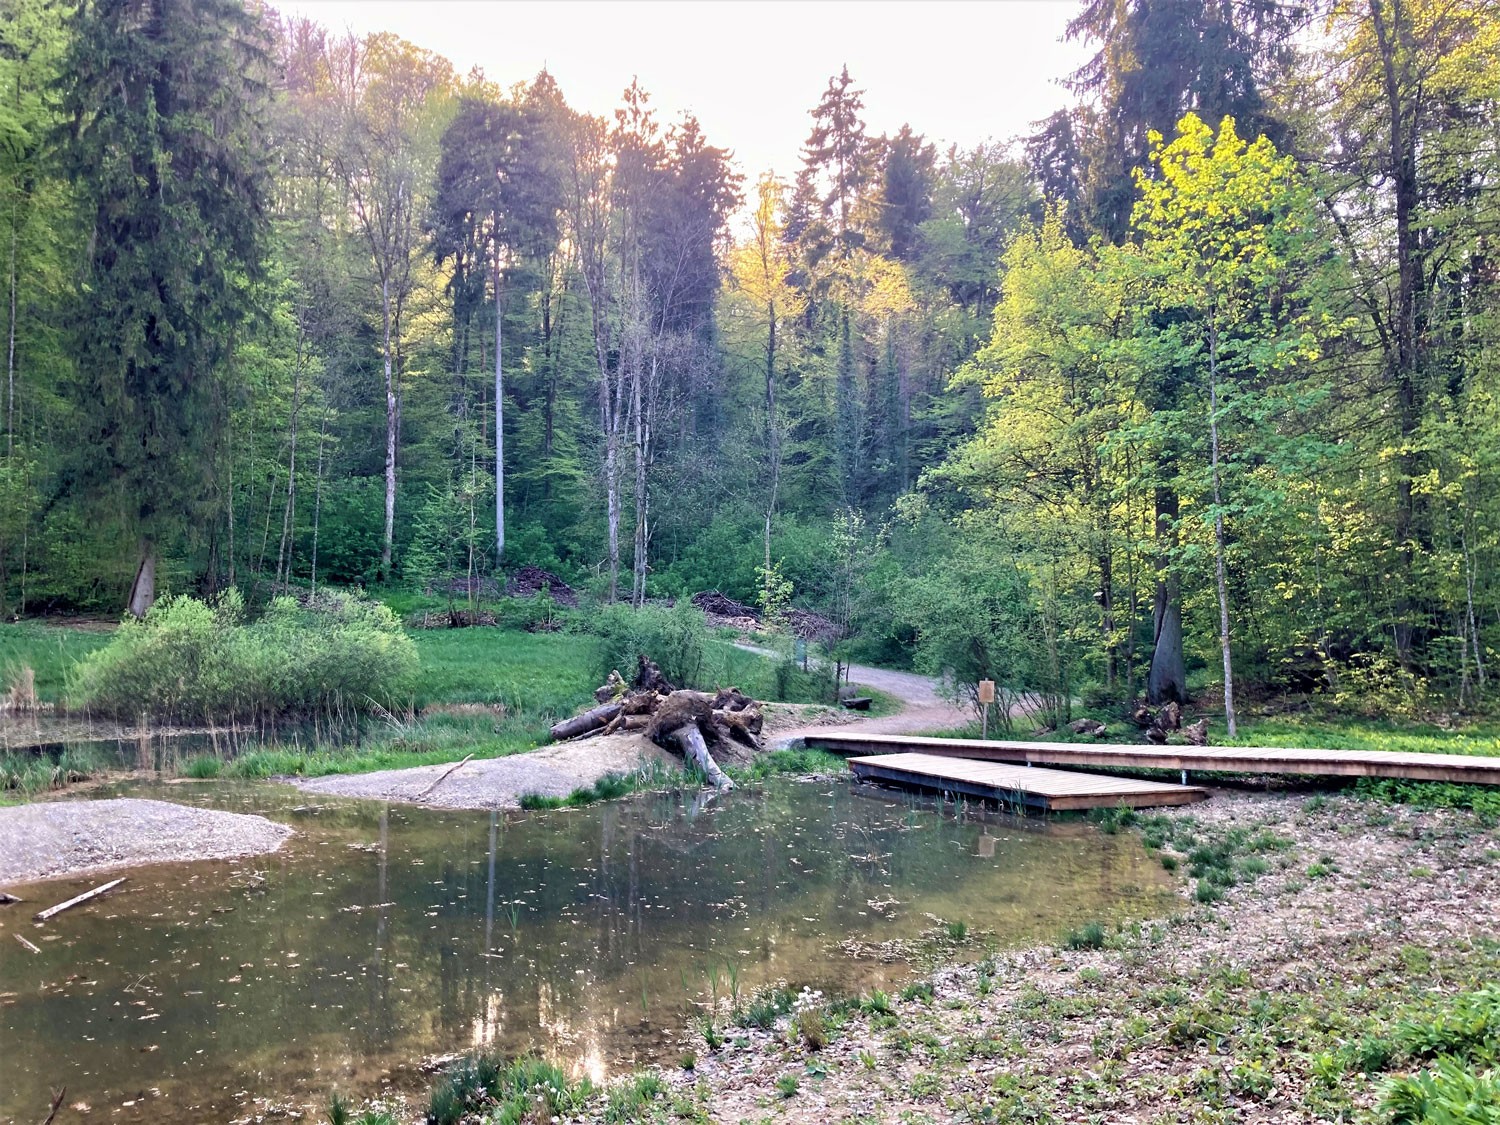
<point x="52" y="839"/>
<point x="499" y="783"/>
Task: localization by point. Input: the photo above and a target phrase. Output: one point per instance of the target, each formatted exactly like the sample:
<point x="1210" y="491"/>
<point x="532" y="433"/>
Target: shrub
<point x="190" y="661"/>
<point x="677" y="639"/>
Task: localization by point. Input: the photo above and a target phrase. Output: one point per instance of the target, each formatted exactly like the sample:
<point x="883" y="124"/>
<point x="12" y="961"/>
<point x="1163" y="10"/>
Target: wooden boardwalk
<point x="1470" y="769"/>
<point x="1052" y="790"/>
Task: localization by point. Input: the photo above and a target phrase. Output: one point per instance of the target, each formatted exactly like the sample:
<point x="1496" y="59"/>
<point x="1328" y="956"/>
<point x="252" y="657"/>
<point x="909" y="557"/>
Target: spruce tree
<point x="164" y="104"/>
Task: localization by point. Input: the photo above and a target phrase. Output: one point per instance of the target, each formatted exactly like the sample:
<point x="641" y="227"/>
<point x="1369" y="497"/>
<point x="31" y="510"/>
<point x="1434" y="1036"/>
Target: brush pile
<point x="529" y="581"/>
<point x="694" y="724"/>
<point x="722" y="611"/>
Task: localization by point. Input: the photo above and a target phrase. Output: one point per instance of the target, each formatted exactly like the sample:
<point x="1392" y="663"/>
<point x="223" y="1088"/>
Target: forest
<point x="1193" y="389"/>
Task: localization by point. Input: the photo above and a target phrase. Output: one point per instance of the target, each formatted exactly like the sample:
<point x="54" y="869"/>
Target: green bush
<point x="678" y="639"/>
<point x="189" y="661"/>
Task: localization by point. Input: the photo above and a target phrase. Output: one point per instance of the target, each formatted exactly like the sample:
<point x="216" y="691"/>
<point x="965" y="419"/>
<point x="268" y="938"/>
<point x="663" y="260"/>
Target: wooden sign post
<point x="986" y="697"/>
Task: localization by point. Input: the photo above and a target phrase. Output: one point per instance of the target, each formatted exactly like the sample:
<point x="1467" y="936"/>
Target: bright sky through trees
<point x="958" y="72"/>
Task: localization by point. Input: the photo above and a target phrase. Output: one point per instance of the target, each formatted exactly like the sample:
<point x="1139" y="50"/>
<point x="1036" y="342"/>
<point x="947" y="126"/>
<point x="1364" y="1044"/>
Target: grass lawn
<point x="535" y="673"/>
<point x="50" y="651"/>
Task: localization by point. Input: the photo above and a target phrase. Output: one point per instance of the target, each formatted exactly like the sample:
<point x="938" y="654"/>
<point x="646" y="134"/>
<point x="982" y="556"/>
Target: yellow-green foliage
<point x="192" y="661"/>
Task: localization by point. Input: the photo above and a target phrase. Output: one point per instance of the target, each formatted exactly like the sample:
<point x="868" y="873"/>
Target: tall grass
<point x="25" y="774"/>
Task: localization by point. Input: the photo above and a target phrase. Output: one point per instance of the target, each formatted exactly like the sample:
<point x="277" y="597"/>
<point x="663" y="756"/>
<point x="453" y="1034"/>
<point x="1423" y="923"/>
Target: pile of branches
<point x="812" y="626"/>
<point x="721" y="610"/>
<point x="529" y="581"/>
<point x="694" y="724"/>
<point x="451" y="619"/>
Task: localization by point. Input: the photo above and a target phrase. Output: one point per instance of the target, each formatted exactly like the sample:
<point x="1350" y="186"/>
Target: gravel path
<point x="51" y="839"/>
<point x="923" y="711"/>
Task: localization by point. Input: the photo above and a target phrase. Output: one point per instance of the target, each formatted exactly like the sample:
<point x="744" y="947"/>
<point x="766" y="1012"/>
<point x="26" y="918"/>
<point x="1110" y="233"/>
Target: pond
<point x="383" y="934"/>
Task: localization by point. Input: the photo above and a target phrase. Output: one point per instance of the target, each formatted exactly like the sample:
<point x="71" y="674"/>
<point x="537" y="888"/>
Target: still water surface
<point x="380" y="934"/>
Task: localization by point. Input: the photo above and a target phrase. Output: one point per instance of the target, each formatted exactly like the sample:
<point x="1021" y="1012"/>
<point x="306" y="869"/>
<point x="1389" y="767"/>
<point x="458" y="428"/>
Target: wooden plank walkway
<point x="1053" y="790"/>
<point x="1471" y="769"/>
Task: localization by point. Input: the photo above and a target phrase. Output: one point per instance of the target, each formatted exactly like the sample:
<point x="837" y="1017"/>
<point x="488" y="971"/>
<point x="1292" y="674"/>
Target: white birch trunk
<point x="390" y="435"/>
<point x="1213" y="432"/>
<point x="499" y="428"/>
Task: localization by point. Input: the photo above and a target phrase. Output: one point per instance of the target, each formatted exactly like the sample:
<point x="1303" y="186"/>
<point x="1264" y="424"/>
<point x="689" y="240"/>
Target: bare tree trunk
<point x="318" y="495"/>
<point x="1402" y="155"/>
<point x="1213" y="433"/>
<point x="773" y="425"/>
<point x="229" y="473"/>
<point x="143" y="589"/>
<point x="10" y="349"/>
<point x="390" y="435"/>
<point x="289" y="512"/>
<point x="1167" y="679"/>
<point x="641" y="427"/>
<point x="1473" y="624"/>
<point x="499" y="425"/>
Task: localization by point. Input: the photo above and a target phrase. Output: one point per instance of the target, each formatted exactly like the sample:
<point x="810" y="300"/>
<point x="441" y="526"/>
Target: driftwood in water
<point x="28" y="945"/>
<point x="57" y="1101"/>
<point x="6" y="898"/>
<point x="77" y="900"/>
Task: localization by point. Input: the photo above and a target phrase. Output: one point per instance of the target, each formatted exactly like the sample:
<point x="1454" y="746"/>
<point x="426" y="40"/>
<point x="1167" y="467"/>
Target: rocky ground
<point x="1251" y="1008"/>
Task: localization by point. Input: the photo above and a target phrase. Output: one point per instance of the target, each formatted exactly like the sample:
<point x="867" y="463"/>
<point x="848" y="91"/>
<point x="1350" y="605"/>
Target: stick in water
<point x="28" y="945"/>
<point x="57" y="1101"/>
<point x="80" y="899"/>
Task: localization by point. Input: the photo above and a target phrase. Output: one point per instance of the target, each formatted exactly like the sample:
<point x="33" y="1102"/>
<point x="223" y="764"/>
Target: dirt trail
<point x="923" y="711"/>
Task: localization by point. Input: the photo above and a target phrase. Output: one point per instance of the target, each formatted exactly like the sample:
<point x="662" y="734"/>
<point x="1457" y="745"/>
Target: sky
<point x="958" y="71"/>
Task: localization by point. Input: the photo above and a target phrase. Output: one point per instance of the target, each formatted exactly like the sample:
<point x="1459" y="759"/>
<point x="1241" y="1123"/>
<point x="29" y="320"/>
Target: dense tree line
<point x="1196" y="383"/>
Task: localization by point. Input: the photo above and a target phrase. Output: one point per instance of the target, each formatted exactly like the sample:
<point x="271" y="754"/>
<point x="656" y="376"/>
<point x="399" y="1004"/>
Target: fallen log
<point x="78" y="900"/>
<point x="742" y="726"/>
<point x="589" y="721"/>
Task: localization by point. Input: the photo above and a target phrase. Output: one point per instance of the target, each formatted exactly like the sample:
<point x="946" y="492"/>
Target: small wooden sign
<point x="986" y="691"/>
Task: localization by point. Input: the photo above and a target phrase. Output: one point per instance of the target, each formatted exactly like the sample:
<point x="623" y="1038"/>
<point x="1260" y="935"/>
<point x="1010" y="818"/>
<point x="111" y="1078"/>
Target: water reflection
<point x="381" y="934"/>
